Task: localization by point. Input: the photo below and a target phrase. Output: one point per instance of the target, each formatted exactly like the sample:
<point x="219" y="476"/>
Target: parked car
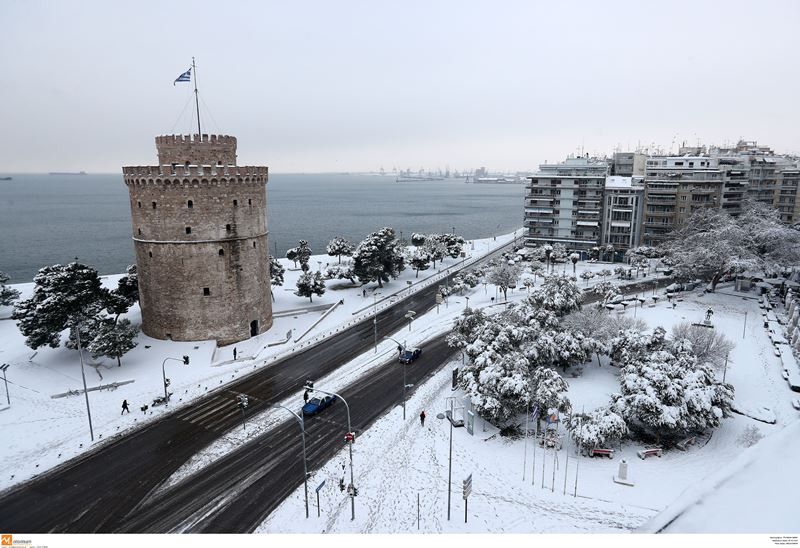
<point x="316" y="405"/>
<point x="410" y="355"/>
<point x="796" y="403"/>
<point x="785" y="375"/>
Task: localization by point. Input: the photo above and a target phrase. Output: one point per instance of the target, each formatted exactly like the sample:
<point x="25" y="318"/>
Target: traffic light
<point x="186" y="360"/>
<point x="167" y="382"/>
<point x="243" y="402"/>
<point x="350" y="437"/>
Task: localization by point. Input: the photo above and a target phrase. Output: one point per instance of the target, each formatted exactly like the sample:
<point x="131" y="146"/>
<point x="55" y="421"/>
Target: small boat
<point x="5" y="178"/>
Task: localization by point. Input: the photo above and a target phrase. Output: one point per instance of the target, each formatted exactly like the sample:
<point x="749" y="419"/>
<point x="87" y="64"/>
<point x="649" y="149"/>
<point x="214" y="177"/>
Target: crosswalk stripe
<point x="205" y="410"/>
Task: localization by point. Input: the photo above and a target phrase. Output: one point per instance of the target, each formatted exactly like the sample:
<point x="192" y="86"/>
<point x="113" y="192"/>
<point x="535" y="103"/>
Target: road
<point x="102" y="490"/>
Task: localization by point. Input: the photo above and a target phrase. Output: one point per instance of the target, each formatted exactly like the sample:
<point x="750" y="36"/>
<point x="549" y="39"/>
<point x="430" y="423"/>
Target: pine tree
<point x="63" y="296"/>
<point x="113" y="340"/>
<point x="558" y="294"/>
<point x="128" y="285"/>
<point x="434" y="248"/>
<point x="596" y="429"/>
<point x="310" y="284"/>
<point x="378" y="258"/>
<point x="338" y="247"/>
<point x="276" y="271"/>
<point x="419" y="260"/>
<point x="303" y="254"/>
<point x="7" y="295"/>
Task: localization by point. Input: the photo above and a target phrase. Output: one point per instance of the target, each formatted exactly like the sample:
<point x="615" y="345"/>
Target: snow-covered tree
<point x="303" y="254"/>
<point x="338" y="247"/>
<point x="609" y="249"/>
<point x="599" y="428"/>
<point x="471" y="279"/>
<point x="292" y="254"/>
<point x="128" y="285"/>
<point x="276" y="271"/>
<point x="708" y="345"/>
<point x="574" y="257"/>
<point x="310" y="284"/>
<point x="63" y="296"/>
<point x="668" y="394"/>
<point x="340" y="272"/>
<point x="633" y="345"/>
<point x="497" y="385"/>
<point x="453" y="244"/>
<point x="378" y="257"/>
<point x="549" y="391"/>
<point x="466" y="328"/>
<point x="418" y="239"/>
<point x="504" y="276"/>
<point x="7" y="294"/>
<point x="594" y="253"/>
<point x="558" y="294"/>
<point x="113" y="339"/>
<point x="711" y="243"/>
<point x="434" y="248"/>
<point x="419" y="260"/>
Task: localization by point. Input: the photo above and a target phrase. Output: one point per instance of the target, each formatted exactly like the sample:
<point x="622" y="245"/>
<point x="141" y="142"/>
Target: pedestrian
<point x="234" y="352"/>
<point x="364" y="293"/>
<point x="305" y="396"/>
<point x="422" y="418"/>
<point x="125" y="407"/>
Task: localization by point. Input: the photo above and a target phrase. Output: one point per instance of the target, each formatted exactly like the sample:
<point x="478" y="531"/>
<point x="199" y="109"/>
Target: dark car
<point x="316" y="405"/>
<point x="410" y="355"/>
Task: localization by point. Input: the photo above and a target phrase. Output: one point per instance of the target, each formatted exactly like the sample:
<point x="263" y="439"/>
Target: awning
<point x="587" y="223"/>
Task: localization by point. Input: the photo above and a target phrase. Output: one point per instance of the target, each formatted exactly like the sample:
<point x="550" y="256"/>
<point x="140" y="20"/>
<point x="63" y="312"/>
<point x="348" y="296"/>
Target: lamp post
<point x="441" y="416"/>
<point x="3" y="369"/>
<point x="375" y="319"/>
<point x="410" y="317"/>
<point x="310" y="387"/>
<point x="303" y="437"/>
<point x="77" y="328"/>
<point x="402" y="349"/>
<point x="184" y="360"/>
<point x="467" y="298"/>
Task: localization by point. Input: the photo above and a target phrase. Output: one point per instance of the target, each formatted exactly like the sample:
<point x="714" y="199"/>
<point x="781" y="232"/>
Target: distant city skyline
<point x="322" y="87"/>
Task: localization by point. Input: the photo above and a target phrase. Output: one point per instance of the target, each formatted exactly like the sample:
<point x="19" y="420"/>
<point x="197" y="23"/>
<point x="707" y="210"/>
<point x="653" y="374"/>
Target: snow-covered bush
<point x="340" y="272"/>
<point x="7" y="295"/>
<point x="598" y="428"/>
<point x="338" y="247"/>
<point x="310" y="284"/>
<point x="750" y="436"/>
<point x="587" y="275"/>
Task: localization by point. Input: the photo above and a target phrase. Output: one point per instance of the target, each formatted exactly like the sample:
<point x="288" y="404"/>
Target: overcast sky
<point x="336" y="86"/>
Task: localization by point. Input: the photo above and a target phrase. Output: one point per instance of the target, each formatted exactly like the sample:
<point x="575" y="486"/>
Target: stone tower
<point x="200" y="235"/>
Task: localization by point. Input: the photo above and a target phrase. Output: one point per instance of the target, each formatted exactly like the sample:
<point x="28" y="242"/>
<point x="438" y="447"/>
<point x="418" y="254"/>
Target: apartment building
<point x="622" y="212"/>
<point x="564" y="203"/>
<point x="629" y="164"/>
<point x="674" y="187"/>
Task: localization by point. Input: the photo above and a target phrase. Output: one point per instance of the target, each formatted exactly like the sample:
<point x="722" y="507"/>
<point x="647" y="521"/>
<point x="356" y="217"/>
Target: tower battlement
<point x="196" y="149"/>
<point x="196" y="173"/>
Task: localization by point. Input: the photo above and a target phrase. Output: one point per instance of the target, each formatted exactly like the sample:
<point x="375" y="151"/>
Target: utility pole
<point x="3" y="369"/>
<point x="83" y="375"/>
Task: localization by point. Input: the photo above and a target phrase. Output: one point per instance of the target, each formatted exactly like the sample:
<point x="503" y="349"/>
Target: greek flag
<point x="185" y="77"/>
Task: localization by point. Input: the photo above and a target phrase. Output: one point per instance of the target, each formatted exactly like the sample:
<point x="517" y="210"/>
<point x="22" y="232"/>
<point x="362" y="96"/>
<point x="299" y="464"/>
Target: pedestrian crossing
<point x="214" y="414"/>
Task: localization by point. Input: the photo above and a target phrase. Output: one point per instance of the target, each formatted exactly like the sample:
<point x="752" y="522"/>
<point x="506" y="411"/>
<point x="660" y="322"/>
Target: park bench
<point x="597" y="451"/>
<point x="682" y="445"/>
<point x="649" y="452"/>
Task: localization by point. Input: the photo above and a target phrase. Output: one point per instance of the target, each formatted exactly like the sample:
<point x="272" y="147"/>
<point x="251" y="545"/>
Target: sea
<point x="48" y="219"/>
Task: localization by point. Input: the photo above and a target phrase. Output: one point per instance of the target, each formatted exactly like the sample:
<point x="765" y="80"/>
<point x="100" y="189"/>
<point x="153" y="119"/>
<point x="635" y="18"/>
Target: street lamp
<point x="3" y="369"/>
<point x="410" y="317"/>
<point x="467" y="298"/>
<point x="77" y="328"/>
<point x="375" y="319"/>
<point x="310" y="387"/>
<point x="402" y="349"/>
<point x="184" y="361"/>
<point x="441" y="416"/>
<point x="303" y="437"/>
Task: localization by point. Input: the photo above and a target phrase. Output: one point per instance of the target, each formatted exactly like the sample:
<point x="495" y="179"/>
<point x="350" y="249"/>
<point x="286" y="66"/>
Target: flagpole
<point x="196" y="100"/>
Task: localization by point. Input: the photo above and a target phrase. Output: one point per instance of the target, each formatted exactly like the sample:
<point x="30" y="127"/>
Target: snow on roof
<point x="754" y="493"/>
<point x="616" y="181"/>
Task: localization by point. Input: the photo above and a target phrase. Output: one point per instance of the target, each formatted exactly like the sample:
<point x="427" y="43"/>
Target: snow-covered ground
<point x="41" y="431"/>
<point x="398" y="464"/>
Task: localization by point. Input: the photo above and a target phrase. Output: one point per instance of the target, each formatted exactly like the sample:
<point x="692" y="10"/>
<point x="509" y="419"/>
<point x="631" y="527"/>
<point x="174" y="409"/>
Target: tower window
<point x="188" y="230"/>
<point x="150" y="253"/>
<point x="249" y="201"/>
<point x="190" y="204"/>
<point x="254" y="245"/>
<point x="221" y="252"/>
<point x="236" y="203"/>
<point x="206" y="291"/>
<point x="139" y="204"/>
<point x="228" y="228"/>
<point x="140" y="232"/>
<point x="154" y="205"/>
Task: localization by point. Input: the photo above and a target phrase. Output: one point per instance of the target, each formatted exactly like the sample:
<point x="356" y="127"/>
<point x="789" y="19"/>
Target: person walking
<point x="422" y="418"/>
<point x="305" y="396"/>
<point x="125" y="407"/>
<point x="234" y="352"/>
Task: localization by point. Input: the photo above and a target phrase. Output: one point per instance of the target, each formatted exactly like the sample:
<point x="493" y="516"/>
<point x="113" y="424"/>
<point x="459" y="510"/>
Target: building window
<point x="154" y="205"/>
<point x="206" y="291"/>
<point x="236" y="203"/>
<point x="227" y="228"/>
<point x="140" y="232"/>
<point x="221" y="252"/>
<point x="190" y="204"/>
<point x="188" y="230"/>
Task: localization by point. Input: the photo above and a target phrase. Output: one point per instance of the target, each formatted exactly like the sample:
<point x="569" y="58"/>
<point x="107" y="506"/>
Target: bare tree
<point x="708" y="345"/>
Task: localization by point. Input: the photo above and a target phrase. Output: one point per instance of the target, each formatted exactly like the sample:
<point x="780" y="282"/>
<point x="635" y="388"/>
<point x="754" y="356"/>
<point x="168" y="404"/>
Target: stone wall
<point x="196" y="149"/>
